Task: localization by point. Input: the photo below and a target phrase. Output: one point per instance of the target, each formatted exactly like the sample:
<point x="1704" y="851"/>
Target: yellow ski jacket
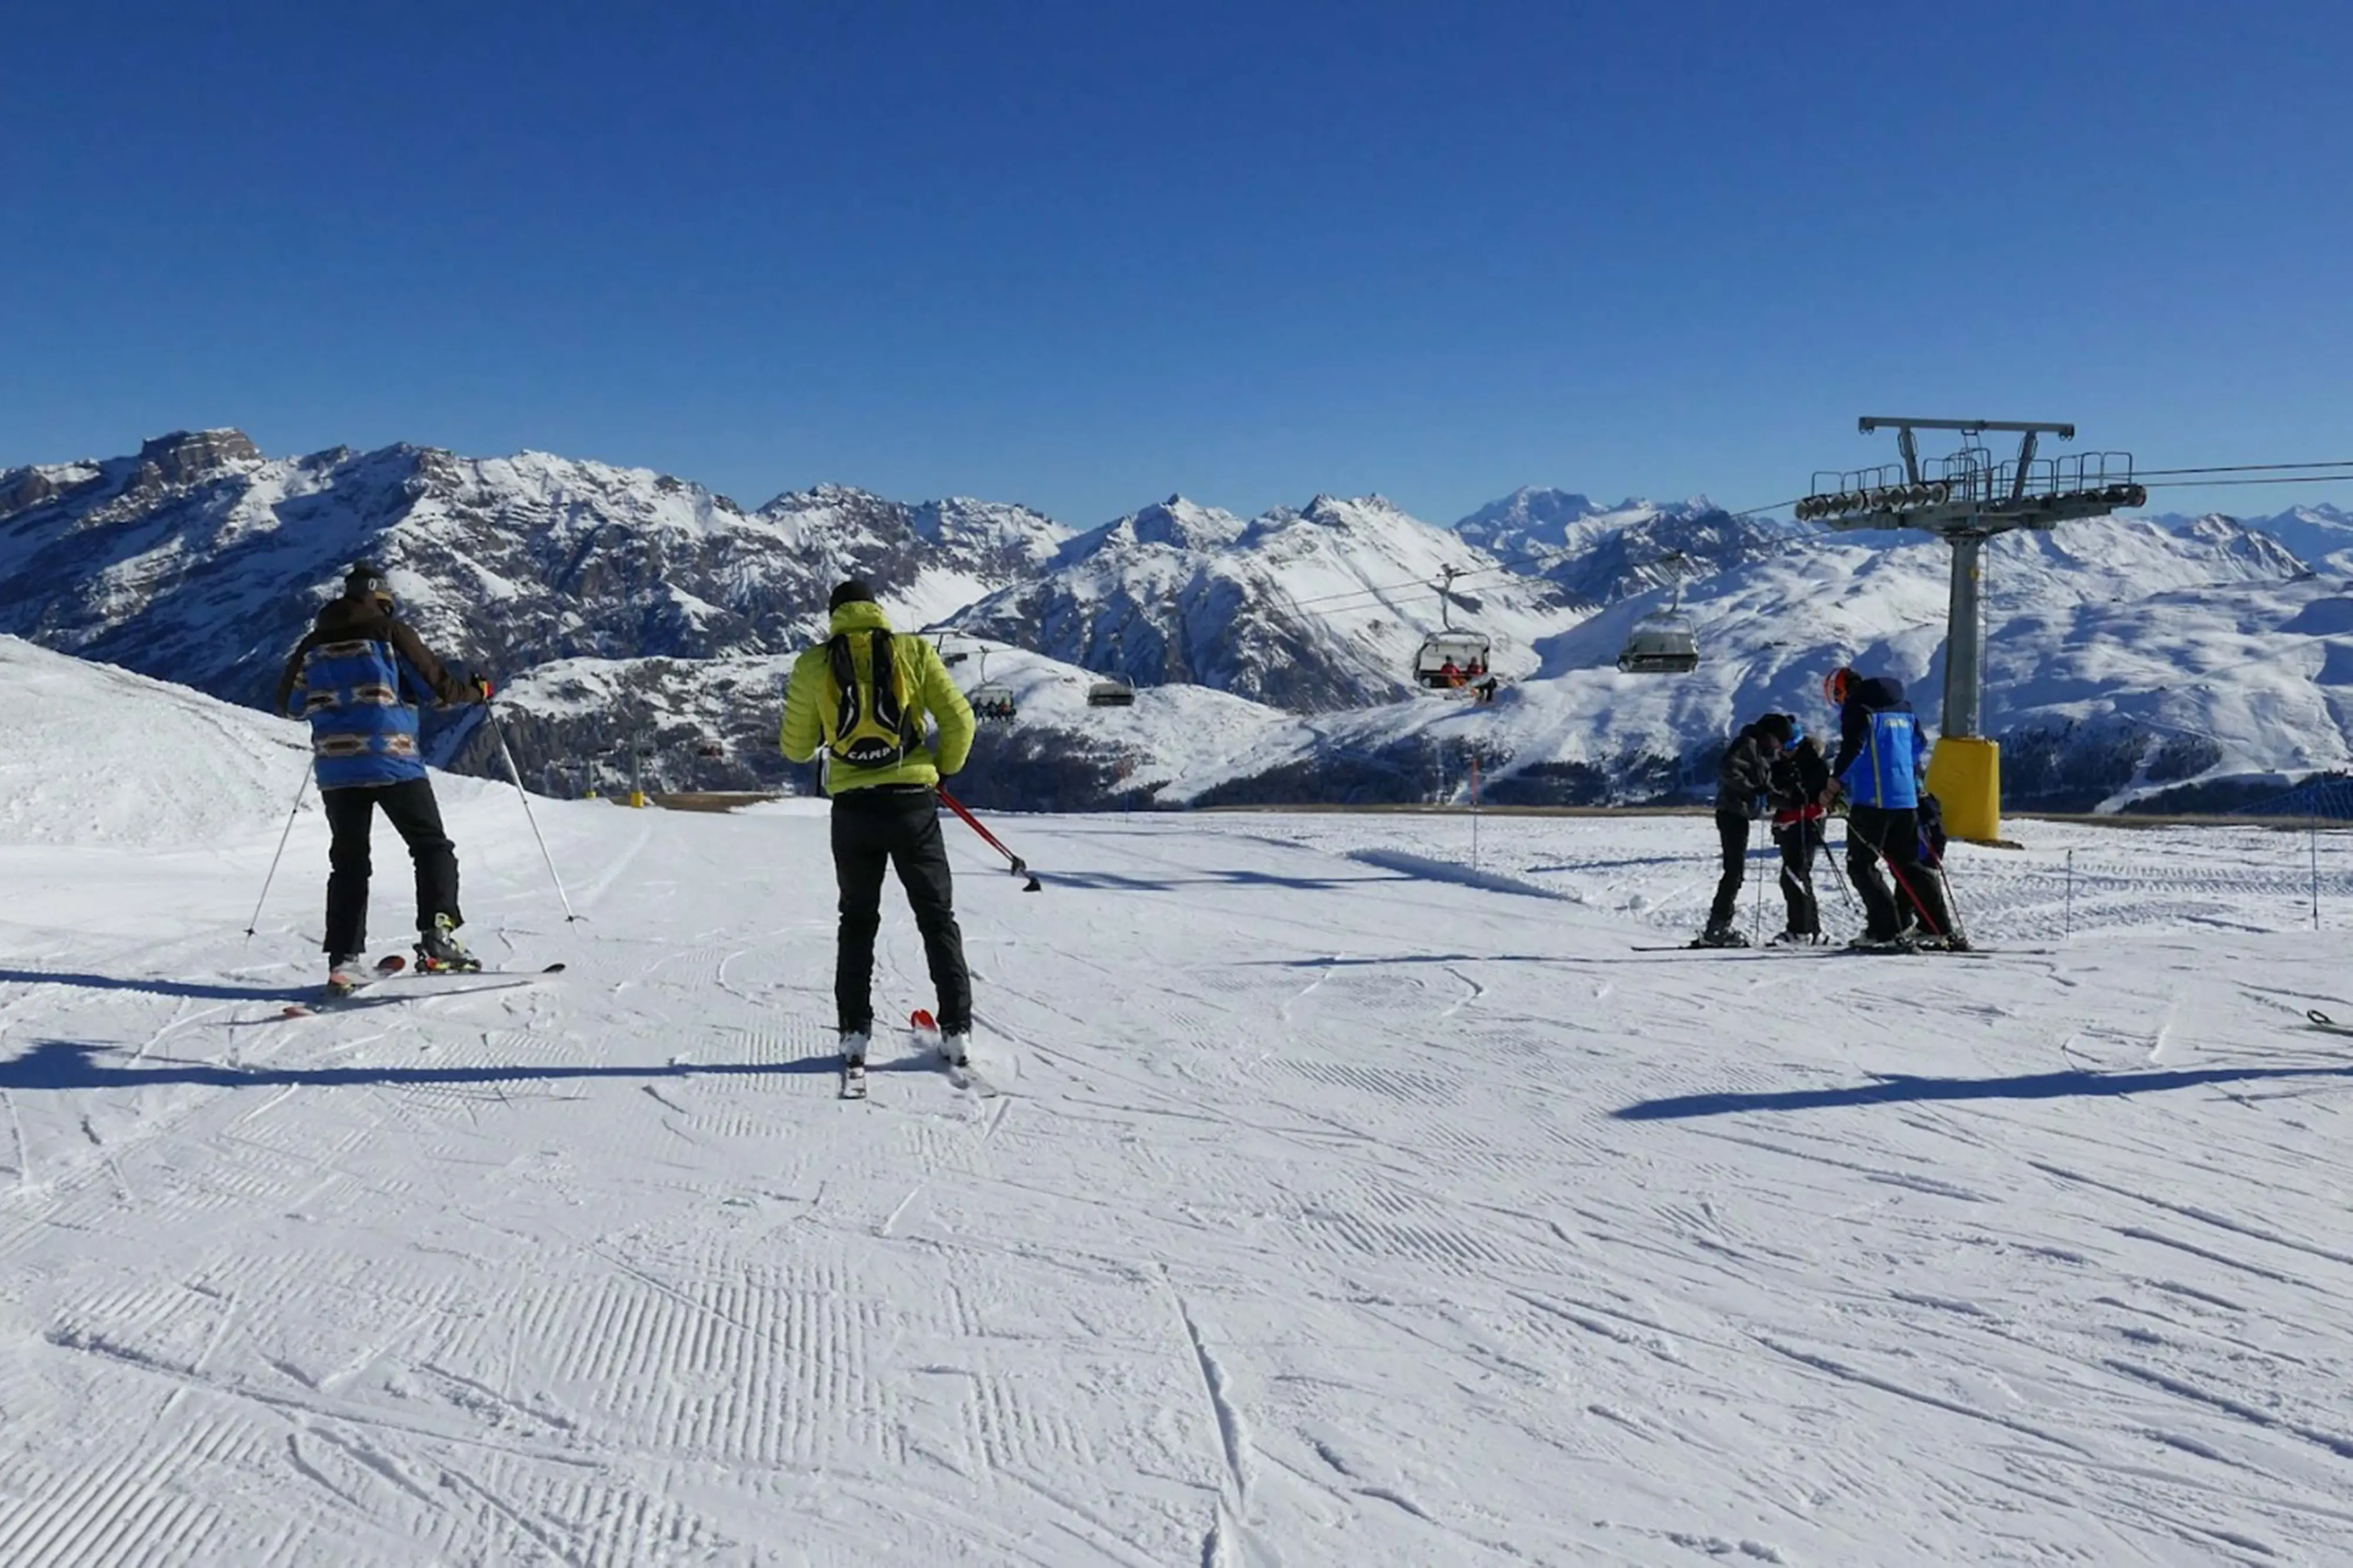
<point x="809" y="707"/>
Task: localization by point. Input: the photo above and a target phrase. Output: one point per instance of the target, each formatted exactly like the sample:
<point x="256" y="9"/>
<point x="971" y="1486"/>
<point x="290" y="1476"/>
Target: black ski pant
<point x="414" y="813"/>
<point x="1799" y="842"/>
<point x="1892" y="833"/>
<point x="898" y="827"/>
<point x="1732" y="826"/>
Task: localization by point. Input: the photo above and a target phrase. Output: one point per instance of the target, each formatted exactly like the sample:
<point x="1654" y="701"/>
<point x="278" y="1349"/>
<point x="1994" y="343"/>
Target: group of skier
<point x="862" y="700"/>
<point x="1774" y="768"/>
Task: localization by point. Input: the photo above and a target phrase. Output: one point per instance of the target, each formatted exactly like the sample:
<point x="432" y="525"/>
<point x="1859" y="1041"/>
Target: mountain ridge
<point x="200" y="559"/>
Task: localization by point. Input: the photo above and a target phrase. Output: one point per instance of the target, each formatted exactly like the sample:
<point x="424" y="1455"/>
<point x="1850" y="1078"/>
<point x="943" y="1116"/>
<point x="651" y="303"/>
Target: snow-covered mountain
<point x="2320" y="533"/>
<point x="201" y="562"/>
<point x="631" y="612"/>
<point x="1600" y="555"/>
<point x="1315" y="609"/>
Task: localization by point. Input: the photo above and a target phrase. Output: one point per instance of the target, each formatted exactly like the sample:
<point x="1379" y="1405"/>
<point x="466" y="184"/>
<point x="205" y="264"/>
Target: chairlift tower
<point x="1965" y="500"/>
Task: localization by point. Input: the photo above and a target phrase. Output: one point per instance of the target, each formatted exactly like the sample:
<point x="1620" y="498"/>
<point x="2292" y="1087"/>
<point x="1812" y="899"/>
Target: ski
<point x="932" y="1043"/>
<point x="511" y="973"/>
<point x="387" y="966"/>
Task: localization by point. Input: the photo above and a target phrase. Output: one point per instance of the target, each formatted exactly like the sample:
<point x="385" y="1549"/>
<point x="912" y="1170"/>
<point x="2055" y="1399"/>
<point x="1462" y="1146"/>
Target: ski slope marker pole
<point x="2067" y="920"/>
<point x="287" y="833"/>
<point x="1020" y="866"/>
<point x="516" y="774"/>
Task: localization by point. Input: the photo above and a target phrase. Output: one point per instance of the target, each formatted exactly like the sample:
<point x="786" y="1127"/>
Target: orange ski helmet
<point x="1837" y="684"/>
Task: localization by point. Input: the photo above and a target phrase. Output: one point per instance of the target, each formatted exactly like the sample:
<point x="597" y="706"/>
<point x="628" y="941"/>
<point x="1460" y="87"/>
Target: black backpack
<point x="872" y="727"/>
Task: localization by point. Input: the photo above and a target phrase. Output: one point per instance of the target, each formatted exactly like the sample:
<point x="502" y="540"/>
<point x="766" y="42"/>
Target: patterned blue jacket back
<point x="358" y="678"/>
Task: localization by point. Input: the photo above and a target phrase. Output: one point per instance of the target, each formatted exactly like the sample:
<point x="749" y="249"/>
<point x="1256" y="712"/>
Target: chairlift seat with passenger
<point x="1453" y="657"/>
<point x="1450" y="661"/>
<point x="992" y="700"/>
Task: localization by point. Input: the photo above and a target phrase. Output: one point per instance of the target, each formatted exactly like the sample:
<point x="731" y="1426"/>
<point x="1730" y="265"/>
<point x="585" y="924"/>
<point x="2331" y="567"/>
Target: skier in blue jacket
<point x="361" y="672"/>
<point x="1882" y="755"/>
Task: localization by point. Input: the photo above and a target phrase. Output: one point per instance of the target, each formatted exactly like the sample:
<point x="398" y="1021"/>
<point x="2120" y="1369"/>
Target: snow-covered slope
<point x="94" y="756"/>
<point x="1339" y="1209"/>
<point x="1312" y="609"/>
<point x="91" y="754"/>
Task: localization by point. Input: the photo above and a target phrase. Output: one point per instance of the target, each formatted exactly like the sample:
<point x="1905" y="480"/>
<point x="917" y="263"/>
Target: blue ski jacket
<point x="1881" y="749"/>
<point x="361" y="674"/>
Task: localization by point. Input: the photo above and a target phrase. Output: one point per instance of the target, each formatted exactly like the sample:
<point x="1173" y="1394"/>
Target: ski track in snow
<point x="1340" y="1207"/>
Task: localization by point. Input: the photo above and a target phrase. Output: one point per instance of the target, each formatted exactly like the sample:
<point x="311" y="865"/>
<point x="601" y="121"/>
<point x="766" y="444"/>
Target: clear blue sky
<point x="1084" y="254"/>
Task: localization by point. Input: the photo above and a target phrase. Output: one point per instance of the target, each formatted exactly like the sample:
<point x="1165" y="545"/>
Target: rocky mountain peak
<point x="186" y="456"/>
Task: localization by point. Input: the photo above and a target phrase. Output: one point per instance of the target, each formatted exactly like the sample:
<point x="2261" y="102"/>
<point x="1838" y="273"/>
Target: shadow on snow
<point x="199" y="990"/>
<point x="1119" y="882"/>
<point x="1899" y="1089"/>
<point x="74" y="1064"/>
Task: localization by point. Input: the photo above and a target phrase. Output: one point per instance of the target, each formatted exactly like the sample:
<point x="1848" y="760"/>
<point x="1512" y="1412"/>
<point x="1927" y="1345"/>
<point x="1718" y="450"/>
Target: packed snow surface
<point x="1345" y="1203"/>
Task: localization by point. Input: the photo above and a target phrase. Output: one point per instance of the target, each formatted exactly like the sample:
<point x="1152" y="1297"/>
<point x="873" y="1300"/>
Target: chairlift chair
<point x="992" y="701"/>
<point x="1453" y="657"/>
<point x="1663" y="642"/>
<point x="1660" y="644"/>
<point x="1112" y="690"/>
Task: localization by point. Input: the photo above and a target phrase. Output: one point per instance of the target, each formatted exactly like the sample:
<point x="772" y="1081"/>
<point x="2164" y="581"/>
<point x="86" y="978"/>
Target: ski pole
<point x="1952" y="904"/>
<point x="1903" y="882"/>
<point x="1020" y="866"/>
<point x="1756" y="920"/>
<point x="287" y="833"/>
<point x="1803" y="882"/>
<point x="515" y="774"/>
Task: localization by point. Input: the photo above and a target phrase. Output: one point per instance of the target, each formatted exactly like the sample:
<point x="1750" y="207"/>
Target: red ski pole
<point x="1020" y="866"/>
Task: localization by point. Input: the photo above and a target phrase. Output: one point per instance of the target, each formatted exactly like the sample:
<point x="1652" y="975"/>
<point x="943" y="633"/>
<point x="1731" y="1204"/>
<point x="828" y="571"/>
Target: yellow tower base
<point x="637" y="797"/>
<point x="1965" y="776"/>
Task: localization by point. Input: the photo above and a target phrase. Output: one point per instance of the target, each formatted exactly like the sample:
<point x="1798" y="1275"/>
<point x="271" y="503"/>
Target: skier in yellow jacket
<point x="859" y="699"/>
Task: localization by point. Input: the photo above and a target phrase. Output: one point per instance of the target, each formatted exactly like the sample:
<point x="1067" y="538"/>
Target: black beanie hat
<point x="851" y="591"/>
<point x="1778" y="726"/>
<point x="363" y="580"/>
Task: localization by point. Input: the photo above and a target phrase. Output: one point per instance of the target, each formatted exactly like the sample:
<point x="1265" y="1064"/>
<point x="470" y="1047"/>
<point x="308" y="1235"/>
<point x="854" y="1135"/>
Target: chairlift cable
<point x="2246" y="468"/>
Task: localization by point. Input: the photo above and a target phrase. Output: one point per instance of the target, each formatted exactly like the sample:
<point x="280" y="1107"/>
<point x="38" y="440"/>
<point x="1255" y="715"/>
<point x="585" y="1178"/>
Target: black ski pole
<point x="1945" y="880"/>
<point x="1838" y="870"/>
<point x="1756" y="920"/>
<point x="515" y="774"/>
<point x="285" y="833"/>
